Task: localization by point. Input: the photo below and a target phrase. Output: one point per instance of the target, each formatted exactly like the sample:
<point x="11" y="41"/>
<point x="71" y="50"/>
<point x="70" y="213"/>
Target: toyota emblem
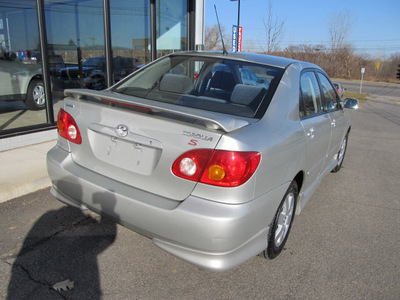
<point x="122" y="130"/>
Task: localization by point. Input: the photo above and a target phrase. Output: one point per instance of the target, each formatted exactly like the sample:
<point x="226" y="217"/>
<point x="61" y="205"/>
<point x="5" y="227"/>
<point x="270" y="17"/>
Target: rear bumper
<point x="212" y="235"/>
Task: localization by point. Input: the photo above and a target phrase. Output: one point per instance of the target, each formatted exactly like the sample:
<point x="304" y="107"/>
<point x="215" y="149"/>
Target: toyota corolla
<point x="210" y="166"/>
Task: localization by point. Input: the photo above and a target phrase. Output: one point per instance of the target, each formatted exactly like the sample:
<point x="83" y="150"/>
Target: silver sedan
<point x="210" y="166"/>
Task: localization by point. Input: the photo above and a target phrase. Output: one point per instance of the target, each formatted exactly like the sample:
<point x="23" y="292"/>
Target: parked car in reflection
<point x="243" y="75"/>
<point x="21" y="80"/>
<point x="94" y="72"/>
<point x="339" y="89"/>
<point x="55" y="62"/>
<point x="249" y="77"/>
<point x="211" y="168"/>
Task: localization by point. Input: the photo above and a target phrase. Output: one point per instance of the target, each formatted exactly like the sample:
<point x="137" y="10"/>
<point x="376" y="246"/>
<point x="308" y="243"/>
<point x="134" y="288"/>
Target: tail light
<point x="67" y="127"/>
<point x="217" y="167"/>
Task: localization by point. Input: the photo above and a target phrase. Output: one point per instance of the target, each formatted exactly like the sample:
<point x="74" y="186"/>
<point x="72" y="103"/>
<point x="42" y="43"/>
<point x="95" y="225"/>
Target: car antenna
<point x="220" y="32"/>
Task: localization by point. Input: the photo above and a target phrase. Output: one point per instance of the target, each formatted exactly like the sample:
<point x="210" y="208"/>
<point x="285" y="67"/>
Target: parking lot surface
<point x="344" y="245"/>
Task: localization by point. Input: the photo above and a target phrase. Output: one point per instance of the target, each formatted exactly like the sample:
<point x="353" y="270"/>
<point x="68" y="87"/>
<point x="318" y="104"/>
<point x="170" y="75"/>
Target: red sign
<point x="240" y="39"/>
<point x="236" y="38"/>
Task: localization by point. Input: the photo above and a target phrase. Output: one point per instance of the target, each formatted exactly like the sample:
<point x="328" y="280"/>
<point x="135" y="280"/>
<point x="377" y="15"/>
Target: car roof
<point x="271" y="60"/>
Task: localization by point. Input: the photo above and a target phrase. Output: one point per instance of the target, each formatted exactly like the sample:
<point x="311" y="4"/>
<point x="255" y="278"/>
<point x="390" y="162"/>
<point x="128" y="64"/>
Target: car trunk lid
<point x="136" y="141"/>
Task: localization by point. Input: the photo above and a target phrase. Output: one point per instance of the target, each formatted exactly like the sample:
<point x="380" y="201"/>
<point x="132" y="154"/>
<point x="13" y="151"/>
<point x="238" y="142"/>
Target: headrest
<point x="175" y="83"/>
<point x="244" y="94"/>
<point x="223" y="80"/>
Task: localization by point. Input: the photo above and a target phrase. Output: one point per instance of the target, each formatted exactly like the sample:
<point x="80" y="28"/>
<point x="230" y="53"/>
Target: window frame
<point x="301" y="98"/>
<point x="302" y="106"/>
<point x="325" y="101"/>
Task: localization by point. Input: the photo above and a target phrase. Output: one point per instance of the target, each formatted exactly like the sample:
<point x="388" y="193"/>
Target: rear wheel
<point x="35" y="98"/>
<point x="282" y="222"/>
<point x="341" y="153"/>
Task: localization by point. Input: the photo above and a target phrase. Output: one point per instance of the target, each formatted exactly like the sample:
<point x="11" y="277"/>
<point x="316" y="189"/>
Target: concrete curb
<point x="24" y="170"/>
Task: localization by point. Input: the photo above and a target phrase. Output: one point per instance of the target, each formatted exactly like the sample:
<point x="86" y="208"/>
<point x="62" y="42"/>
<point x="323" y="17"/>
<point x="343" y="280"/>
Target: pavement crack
<point x="43" y="283"/>
<point x="39" y="282"/>
<point x="4" y="261"/>
<point x="32" y="247"/>
<point x="15" y="264"/>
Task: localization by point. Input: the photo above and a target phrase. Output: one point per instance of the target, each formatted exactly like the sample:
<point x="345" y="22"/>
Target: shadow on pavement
<point x="58" y="258"/>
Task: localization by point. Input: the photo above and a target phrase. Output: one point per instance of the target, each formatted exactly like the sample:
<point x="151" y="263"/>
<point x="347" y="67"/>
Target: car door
<point x="336" y="114"/>
<point x="316" y="125"/>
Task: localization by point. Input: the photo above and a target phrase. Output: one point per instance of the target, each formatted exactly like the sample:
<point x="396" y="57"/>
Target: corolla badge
<point x="122" y="130"/>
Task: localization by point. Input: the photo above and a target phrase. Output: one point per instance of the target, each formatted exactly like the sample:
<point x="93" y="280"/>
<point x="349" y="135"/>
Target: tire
<point x="341" y="154"/>
<point x="98" y="83"/>
<point x="282" y="222"/>
<point x="35" y="97"/>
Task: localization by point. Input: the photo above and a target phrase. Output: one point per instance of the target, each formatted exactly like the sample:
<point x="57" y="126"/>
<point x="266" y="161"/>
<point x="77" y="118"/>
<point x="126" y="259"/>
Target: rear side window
<point x="221" y="85"/>
<point x="310" y="96"/>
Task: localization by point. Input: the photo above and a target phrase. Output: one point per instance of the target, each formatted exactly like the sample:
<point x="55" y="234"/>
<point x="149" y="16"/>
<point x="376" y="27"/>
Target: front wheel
<point x="35" y="98"/>
<point x="341" y="153"/>
<point x="282" y="222"/>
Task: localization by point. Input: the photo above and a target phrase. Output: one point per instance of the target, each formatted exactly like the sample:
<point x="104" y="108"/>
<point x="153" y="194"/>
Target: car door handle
<point x="310" y="133"/>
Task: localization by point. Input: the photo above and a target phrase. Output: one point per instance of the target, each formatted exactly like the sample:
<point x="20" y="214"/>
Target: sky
<point x="375" y="26"/>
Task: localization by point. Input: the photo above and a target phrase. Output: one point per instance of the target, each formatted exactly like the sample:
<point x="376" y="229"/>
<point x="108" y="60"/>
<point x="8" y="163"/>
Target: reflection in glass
<point x="130" y="35"/>
<point x="22" y="98"/>
<point x="76" y="49"/>
<point x="75" y="34"/>
<point x="171" y="23"/>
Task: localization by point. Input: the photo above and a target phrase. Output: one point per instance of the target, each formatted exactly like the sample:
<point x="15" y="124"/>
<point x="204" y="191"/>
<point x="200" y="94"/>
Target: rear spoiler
<point x="211" y="120"/>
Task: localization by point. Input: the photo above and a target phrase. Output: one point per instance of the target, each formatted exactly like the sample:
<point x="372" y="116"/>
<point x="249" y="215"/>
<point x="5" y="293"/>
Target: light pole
<point x="238" y="27"/>
<point x="238" y="30"/>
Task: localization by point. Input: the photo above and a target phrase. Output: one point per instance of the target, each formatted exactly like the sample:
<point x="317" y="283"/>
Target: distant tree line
<point x="345" y="63"/>
<point x="342" y="62"/>
<point x="339" y="59"/>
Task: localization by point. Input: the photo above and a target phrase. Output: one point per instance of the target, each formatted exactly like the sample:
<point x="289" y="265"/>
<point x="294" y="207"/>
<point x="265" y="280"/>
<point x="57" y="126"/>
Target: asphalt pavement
<point x="344" y="245"/>
<point x="378" y="90"/>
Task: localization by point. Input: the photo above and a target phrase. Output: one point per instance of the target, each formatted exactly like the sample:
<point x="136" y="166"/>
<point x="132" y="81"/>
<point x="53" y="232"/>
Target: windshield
<point x="214" y="84"/>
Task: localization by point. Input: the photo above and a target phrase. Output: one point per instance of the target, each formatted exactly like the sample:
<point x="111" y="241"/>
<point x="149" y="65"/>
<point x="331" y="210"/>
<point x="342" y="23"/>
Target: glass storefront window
<point x="130" y="36"/>
<point x="75" y="37"/>
<point x="171" y="24"/>
<point x="76" y="55"/>
<point x="22" y="99"/>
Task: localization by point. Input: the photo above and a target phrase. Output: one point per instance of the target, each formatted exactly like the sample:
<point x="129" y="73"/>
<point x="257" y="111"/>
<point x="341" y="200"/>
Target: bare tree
<point x="339" y="28"/>
<point x="274" y="29"/>
<point x="212" y="38"/>
<point x="345" y="62"/>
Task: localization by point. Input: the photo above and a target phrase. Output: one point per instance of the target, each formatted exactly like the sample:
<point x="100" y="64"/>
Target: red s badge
<point x="193" y="142"/>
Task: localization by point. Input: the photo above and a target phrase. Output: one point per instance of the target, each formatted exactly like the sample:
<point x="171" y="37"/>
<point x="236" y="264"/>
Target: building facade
<point x="47" y="46"/>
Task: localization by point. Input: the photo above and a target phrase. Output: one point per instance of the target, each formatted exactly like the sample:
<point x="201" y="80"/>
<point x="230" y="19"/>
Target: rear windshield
<point x="222" y="85"/>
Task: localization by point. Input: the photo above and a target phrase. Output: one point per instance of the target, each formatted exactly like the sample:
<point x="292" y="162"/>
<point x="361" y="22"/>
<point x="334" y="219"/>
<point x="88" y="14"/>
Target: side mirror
<point x="351" y="103"/>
